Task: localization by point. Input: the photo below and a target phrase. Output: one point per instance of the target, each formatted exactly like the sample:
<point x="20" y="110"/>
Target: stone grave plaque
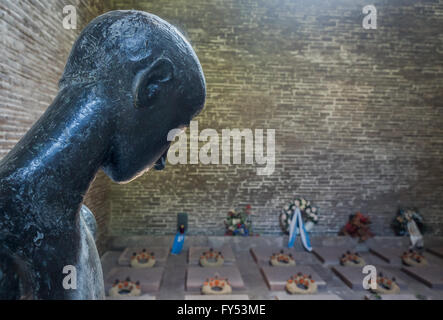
<point x="393" y="256"/>
<point x="398" y="297"/>
<point x="262" y="255"/>
<point x="438" y="251"/>
<point x="161" y="254"/>
<point x="287" y="296"/>
<point x="217" y="297"/>
<point x="276" y="277"/>
<point x="196" y="276"/>
<point x="330" y="255"/>
<point x="142" y="297"/>
<point x="431" y="276"/>
<point x="109" y="260"/>
<point x="194" y="254"/>
<point x="389" y="255"/>
<point x="353" y="277"/>
<point x="150" y="278"/>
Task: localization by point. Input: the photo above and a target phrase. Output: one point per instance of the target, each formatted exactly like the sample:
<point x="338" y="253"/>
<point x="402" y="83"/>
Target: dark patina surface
<point x="131" y="77"/>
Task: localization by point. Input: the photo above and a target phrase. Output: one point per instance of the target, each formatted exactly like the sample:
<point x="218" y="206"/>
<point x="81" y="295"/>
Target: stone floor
<point x="173" y="282"/>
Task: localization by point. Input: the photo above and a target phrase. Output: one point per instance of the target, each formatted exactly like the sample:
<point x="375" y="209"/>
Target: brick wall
<point x="358" y="113"/>
<point x="33" y="53"/>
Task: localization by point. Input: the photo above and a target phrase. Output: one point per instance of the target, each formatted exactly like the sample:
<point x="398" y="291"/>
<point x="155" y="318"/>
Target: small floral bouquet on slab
<point x="239" y="223"/>
<point x="308" y="211"/>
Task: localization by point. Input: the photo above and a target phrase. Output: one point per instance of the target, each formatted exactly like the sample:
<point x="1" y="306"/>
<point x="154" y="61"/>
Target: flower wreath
<point x="409" y="222"/>
<point x="211" y="259"/>
<point x="352" y="259"/>
<point x="125" y="288"/>
<point x="143" y="259"/>
<point x="216" y="286"/>
<point x="308" y="211"/>
<point x="301" y="284"/>
<point x="282" y="259"/>
<point x="385" y="285"/>
<point x="413" y="258"/>
<point x="404" y="215"/>
<point x="239" y="223"/>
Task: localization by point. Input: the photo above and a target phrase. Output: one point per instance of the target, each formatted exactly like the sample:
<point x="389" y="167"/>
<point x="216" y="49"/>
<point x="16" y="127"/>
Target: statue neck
<point x="58" y="158"/>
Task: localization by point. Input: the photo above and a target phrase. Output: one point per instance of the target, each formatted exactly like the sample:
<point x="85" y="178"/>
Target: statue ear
<point x="151" y="81"/>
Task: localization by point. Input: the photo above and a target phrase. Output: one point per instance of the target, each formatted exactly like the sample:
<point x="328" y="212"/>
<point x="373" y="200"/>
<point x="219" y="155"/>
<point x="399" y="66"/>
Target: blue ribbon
<point x="297" y="226"/>
<point x="178" y="243"/>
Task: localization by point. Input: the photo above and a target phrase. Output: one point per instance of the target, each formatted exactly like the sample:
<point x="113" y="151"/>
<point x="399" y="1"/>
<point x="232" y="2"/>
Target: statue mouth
<point x="161" y="162"/>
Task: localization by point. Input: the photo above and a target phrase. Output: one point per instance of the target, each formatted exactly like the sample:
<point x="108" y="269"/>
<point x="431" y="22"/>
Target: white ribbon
<point x="415" y="234"/>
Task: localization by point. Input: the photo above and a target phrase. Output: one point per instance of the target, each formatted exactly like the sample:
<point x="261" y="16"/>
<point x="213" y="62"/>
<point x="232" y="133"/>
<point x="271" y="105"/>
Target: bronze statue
<point x="131" y="77"/>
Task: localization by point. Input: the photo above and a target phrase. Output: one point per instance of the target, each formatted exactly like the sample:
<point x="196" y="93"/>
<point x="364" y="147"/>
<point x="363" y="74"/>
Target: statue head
<point x="148" y="79"/>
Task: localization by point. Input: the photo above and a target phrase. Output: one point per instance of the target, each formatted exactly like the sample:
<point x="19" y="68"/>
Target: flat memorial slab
<point x="389" y="255"/>
<point x="431" y="276"/>
<point x="150" y="278"/>
<point x="194" y="253"/>
<point x="330" y="255"/>
<point x="262" y="255"/>
<point x="196" y="276"/>
<point x="109" y="260"/>
<point x="353" y="276"/>
<point x="392" y="256"/>
<point x="160" y="253"/>
<point x="287" y="296"/>
<point x="142" y="297"/>
<point x="276" y="277"/>
<point x="398" y="297"/>
<point x="438" y="251"/>
<point x="217" y="297"/>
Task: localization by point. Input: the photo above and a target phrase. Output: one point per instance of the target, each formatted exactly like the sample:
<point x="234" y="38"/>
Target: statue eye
<point x="150" y="81"/>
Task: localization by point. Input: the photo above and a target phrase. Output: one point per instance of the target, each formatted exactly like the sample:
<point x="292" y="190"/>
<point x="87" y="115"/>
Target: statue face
<point x="151" y="80"/>
<point x="141" y="141"/>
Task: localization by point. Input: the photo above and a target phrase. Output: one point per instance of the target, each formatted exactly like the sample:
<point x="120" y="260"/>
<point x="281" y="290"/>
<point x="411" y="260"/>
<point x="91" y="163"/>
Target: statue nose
<point x="161" y="162"/>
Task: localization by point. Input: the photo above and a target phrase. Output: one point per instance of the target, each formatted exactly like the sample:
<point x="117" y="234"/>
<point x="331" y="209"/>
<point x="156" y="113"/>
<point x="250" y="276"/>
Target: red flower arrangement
<point x="357" y="227"/>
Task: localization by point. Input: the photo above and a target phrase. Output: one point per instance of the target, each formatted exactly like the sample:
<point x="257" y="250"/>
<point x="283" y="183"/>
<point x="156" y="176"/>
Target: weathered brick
<point x="357" y="113"/>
